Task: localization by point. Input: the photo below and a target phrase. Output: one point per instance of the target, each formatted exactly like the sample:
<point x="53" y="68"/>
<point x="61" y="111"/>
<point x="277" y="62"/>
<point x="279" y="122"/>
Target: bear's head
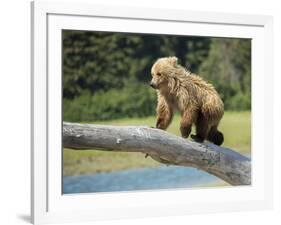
<point x="162" y="70"/>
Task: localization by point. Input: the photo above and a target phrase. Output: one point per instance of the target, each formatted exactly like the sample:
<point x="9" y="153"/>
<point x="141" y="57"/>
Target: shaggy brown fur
<point x="196" y="100"/>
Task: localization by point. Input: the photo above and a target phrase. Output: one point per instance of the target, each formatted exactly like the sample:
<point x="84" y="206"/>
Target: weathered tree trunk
<point x="162" y="146"/>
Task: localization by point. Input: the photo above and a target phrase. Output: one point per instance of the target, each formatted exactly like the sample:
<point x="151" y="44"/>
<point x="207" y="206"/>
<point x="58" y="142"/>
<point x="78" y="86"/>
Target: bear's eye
<point x="158" y="74"/>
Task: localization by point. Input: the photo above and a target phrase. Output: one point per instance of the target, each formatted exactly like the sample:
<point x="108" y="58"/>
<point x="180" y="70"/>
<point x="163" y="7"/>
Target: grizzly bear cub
<point x="197" y="101"/>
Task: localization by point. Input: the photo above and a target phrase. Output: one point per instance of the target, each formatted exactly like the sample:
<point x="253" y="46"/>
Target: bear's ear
<point x="173" y="60"/>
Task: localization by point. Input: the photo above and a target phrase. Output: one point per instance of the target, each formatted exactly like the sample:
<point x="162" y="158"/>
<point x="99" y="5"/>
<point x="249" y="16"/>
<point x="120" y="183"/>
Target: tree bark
<point x="162" y="146"/>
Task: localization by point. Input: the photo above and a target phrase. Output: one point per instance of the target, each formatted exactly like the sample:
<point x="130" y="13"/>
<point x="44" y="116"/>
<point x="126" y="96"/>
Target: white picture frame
<point x="47" y="202"/>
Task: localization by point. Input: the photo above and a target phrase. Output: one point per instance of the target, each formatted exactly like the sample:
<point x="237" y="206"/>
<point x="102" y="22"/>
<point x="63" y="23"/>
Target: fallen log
<point x="162" y="146"/>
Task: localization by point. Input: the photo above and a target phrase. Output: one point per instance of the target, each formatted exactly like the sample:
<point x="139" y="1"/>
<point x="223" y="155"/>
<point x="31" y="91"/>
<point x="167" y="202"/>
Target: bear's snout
<point x="153" y="85"/>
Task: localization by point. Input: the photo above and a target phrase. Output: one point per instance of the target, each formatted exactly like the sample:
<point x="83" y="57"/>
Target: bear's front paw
<point x="160" y="124"/>
<point x="185" y="135"/>
<point x="197" y="138"/>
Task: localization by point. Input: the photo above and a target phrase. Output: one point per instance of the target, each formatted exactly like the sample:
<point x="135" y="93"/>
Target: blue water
<point x="164" y="177"/>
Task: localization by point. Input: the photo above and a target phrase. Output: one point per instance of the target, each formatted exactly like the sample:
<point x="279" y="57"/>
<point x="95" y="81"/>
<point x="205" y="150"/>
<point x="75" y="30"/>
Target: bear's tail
<point x="215" y="136"/>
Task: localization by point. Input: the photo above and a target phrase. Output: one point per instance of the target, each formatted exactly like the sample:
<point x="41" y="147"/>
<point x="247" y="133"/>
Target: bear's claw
<point x="196" y="138"/>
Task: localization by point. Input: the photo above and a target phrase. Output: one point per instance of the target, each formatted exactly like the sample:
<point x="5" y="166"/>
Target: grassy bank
<point x="236" y="127"/>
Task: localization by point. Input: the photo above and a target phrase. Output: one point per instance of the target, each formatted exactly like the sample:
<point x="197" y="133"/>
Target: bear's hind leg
<point x="202" y="129"/>
<point x="215" y="136"/>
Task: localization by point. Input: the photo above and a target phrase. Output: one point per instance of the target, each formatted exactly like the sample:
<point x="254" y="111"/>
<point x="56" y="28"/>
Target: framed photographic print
<point x="140" y="112"/>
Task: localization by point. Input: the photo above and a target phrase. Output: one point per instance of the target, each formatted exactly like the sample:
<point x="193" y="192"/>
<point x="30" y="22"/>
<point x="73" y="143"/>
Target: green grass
<point x="236" y="127"/>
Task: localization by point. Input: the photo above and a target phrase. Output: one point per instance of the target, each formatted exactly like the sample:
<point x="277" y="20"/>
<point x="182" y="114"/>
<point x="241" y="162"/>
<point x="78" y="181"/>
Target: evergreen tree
<point x="228" y="67"/>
